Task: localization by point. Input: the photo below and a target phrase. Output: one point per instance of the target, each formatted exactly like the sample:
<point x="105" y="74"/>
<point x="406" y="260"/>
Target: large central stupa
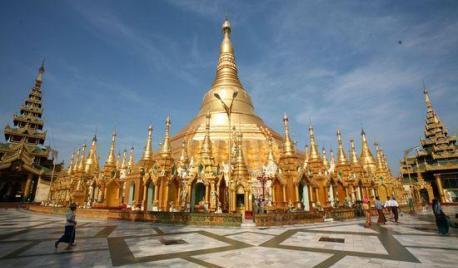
<point x="243" y="117"/>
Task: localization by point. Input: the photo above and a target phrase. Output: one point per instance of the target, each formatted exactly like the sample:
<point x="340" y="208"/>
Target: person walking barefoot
<point x="367" y="211"/>
<point x="378" y="205"/>
<point x="69" y="233"/>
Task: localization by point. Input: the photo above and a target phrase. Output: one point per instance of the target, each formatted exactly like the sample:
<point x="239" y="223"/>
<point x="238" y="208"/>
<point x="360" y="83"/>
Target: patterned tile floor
<point x="27" y="240"/>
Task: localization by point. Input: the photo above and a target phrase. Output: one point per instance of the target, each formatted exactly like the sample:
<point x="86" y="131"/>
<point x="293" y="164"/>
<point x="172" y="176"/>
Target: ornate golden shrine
<point x="213" y="164"/>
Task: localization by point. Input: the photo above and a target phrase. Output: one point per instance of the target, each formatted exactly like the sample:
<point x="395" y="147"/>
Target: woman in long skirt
<point x="379" y="207"/>
<point x="69" y="234"/>
<point x="441" y="219"/>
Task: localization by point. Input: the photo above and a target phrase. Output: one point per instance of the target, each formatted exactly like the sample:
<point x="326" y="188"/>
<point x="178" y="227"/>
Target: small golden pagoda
<point x="225" y="159"/>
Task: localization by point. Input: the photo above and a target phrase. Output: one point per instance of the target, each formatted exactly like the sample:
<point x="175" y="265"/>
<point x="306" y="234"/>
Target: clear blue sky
<point x="127" y="64"/>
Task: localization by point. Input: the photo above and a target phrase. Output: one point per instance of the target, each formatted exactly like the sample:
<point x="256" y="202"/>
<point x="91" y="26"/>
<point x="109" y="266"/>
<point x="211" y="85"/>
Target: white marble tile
<point x="428" y="241"/>
<point x="132" y="232"/>
<point x="170" y="263"/>
<point x="148" y="246"/>
<point x="264" y="257"/>
<point x="353" y="242"/>
<point x="353" y="261"/>
<point x="346" y="228"/>
<point x="254" y="239"/>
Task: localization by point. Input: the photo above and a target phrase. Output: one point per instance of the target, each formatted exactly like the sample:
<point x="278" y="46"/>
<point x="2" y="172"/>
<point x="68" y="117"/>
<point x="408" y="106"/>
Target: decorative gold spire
<point x="306" y="156"/>
<point x="166" y="148"/>
<point x="226" y="83"/>
<point x="92" y="164"/>
<point x="118" y="160"/>
<point x="314" y="154"/>
<point x="332" y="162"/>
<point x="70" y="167"/>
<point x="353" y="157"/>
<point x="111" y="159"/>
<point x="325" y="158"/>
<point x="240" y="170"/>
<point x="378" y="151"/>
<point x="124" y="159"/>
<point x="184" y="154"/>
<point x="82" y="162"/>
<point x="226" y="70"/>
<point x="366" y="158"/>
<point x="131" y="158"/>
<point x="76" y="161"/>
<point x="288" y="145"/>
<point x="206" y="148"/>
<point x="148" y="152"/>
<point x="341" y="156"/>
<point x="270" y="155"/>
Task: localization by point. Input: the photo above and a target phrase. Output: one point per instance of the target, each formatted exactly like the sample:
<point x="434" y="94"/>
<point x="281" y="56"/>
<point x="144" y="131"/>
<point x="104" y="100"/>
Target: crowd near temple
<point x="225" y="160"/>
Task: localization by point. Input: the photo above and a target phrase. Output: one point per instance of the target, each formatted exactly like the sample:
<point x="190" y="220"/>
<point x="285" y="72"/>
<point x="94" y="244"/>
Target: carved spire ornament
<point x="288" y="146"/>
<point x="148" y="152"/>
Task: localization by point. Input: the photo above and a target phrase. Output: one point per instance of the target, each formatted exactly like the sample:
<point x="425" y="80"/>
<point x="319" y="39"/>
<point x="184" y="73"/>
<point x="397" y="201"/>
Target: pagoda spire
<point x="332" y="162"/>
<point x="436" y="133"/>
<point x="92" y="163"/>
<point x="325" y="158"/>
<point x="306" y="156"/>
<point x="124" y="159"/>
<point x="28" y="124"/>
<point x="226" y="70"/>
<point x="366" y="158"/>
<point x="206" y="148"/>
<point x="166" y="148"/>
<point x="111" y="159"/>
<point x="353" y="157"/>
<point x="314" y="154"/>
<point x="379" y="157"/>
<point x="240" y="168"/>
<point x="70" y="166"/>
<point x="270" y="154"/>
<point x="118" y="160"/>
<point x="341" y="156"/>
<point x="82" y="162"/>
<point x="41" y="71"/>
<point x="288" y="145"/>
<point x="131" y="158"/>
<point x="148" y="152"/>
<point x="76" y="161"/>
<point x="184" y="160"/>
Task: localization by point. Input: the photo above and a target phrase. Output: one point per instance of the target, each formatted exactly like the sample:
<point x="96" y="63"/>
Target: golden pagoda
<point x="216" y="162"/>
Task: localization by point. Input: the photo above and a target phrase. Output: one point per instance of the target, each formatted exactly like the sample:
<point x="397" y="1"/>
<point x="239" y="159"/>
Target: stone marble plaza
<point x="27" y="240"/>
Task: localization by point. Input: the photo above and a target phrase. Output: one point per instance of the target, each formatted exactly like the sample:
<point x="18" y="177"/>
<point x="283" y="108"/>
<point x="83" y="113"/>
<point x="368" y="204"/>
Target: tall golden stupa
<point x="242" y="115"/>
<point x="224" y="160"/>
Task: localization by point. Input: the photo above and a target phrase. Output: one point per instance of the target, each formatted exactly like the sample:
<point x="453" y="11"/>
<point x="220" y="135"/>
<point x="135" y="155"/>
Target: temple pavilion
<point x="433" y="170"/>
<point x="224" y="159"/>
<point x="26" y="164"/>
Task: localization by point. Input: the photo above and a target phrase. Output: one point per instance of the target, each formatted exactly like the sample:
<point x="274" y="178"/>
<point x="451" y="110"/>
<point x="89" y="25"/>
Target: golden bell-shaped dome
<point x="227" y="96"/>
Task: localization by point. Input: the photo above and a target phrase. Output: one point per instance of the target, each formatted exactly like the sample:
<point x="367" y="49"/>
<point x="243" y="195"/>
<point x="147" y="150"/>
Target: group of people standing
<point x="391" y="206"/>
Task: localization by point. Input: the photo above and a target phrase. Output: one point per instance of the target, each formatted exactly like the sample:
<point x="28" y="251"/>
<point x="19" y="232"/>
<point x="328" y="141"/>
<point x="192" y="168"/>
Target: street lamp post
<point x="228" y="110"/>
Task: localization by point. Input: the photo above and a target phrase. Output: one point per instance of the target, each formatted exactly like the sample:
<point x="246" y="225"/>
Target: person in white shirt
<point x="69" y="234"/>
<point x="394" y="207"/>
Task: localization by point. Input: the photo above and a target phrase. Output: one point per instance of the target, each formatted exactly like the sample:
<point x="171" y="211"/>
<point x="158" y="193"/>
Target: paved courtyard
<point x="27" y="240"/>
